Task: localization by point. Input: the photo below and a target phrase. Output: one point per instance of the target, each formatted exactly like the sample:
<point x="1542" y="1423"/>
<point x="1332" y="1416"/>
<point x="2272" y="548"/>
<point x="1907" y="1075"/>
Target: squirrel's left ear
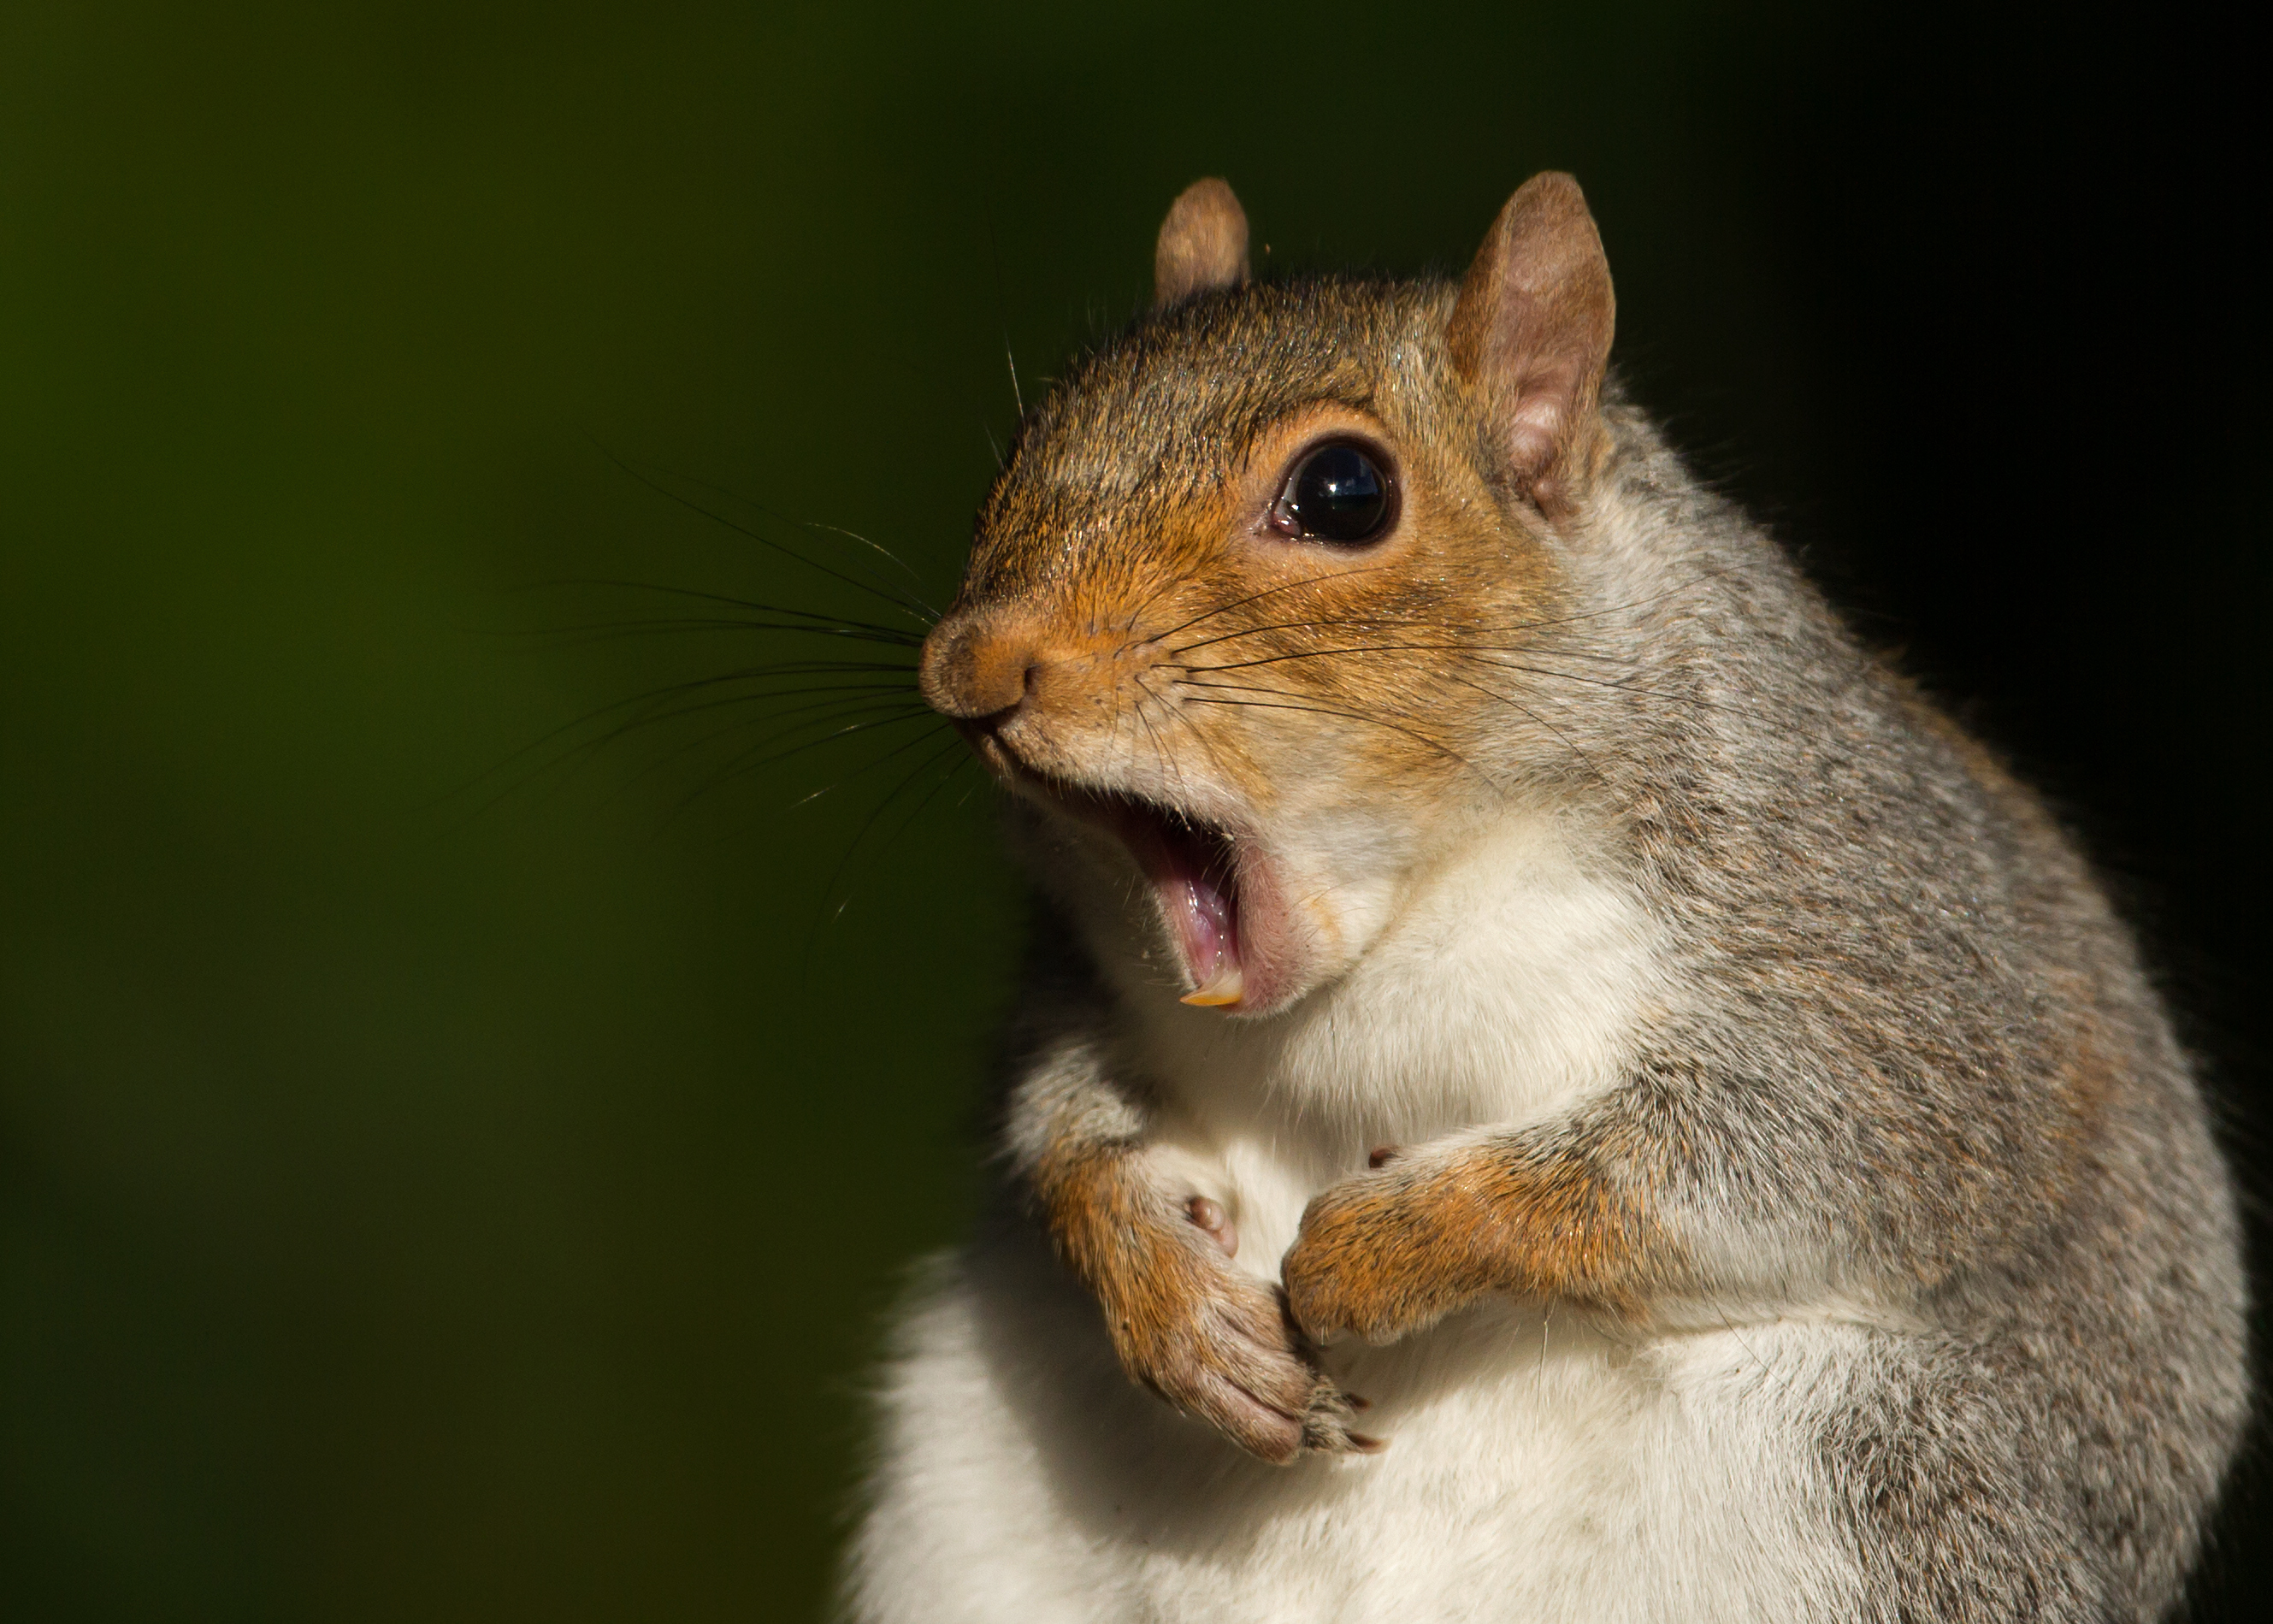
<point x="1532" y="332"/>
<point x="1203" y="245"/>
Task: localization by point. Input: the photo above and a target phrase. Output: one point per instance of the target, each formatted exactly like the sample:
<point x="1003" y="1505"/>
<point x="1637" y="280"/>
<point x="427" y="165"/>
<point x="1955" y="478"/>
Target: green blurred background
<point x="440" y="1181"/>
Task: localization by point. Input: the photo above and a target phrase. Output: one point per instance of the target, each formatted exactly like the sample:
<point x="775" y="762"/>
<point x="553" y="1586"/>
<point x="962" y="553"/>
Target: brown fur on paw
<point x="1212" y="1340"/>
<point x="1385" y="1254"/>
<point x="1217" y="1345"/>
<point x="1392" y="1251"/>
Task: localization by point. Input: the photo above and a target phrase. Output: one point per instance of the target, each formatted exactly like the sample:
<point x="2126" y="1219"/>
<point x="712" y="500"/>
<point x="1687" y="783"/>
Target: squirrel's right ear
<point x="1203" y="245"/>
<point x="1532" y="333"/>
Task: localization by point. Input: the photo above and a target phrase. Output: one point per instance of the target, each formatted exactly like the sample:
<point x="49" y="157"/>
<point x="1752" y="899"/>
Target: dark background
<point x="417" y="1203"/>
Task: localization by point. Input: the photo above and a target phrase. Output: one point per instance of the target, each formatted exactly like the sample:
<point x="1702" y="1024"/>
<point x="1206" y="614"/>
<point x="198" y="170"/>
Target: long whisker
<point x="603" y="631"/>
<point x="1372" y="623"/>
<point x="1628" y="684"/>
<point x="1524" y="625"/>
<point x="1167" y="584"/>
<point x="1557" y="648"/>
<point x="1624" y="685"/>
<point x="831" y="788"/>
<point x="877" y="548"/>
<point x="1355" y="716"/>
<point x="658" y="703"/>
<point x="576" y="758"/>
<point x="914" y="611"/>
<point x="670" y="690"/>
<point x="1160" y="750"/>
<point x="806" y="620"/>
<point x="869" y="822"/>
<point x="1236" y="603"/>
<point x="1189" y="726"/>
<point x="820" y="713"/>
<point x="1570" y="743"/>
<point x="1514" y="703"/>
<point x="744" y="763"/>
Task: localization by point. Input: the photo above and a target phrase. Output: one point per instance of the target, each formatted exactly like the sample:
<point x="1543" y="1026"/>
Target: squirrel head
<point x="1234" y="604"/>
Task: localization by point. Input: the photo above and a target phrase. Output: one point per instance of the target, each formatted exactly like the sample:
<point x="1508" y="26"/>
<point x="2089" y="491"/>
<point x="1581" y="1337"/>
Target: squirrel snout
<point x="977" y="667"/>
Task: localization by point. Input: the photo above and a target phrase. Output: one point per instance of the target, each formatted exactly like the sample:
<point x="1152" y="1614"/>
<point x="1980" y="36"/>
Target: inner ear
<point x="1203" y="245"/>
<point x="1531" y="332"/>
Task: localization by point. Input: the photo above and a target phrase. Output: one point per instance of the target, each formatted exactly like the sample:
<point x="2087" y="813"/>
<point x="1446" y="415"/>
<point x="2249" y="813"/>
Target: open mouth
<point x="1194" y="869"/>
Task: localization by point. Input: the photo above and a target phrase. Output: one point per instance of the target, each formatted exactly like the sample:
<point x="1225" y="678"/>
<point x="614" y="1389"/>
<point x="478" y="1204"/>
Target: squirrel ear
<point x="1532" y="333"/>
<point x="1203" y="245"/>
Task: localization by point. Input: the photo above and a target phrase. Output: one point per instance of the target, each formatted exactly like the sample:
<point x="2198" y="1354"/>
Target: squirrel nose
<point x="978" y="668"/>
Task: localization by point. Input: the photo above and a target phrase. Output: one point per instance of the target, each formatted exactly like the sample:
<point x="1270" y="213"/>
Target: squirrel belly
<point x="1536" y="1469"/>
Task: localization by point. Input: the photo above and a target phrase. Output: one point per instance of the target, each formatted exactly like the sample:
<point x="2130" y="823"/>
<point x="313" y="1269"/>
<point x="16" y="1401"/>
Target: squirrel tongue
<point x="1207" y="923"/>
<point x="1194" y="869"/>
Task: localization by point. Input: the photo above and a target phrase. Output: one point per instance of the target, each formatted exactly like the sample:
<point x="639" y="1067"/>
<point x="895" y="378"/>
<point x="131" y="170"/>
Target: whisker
<point x="816" y="715"/>
<point x="869" y="822"/>
<point x="742" y="764"/>
<point x="656" y="698"/>
<point x="1569" y="743"/>
<point x="1205" y="742"/>
<point x="1373" y="623"/>
<point x="806" y="618"/>
<point x="1354" y="716"/>
<point x="1237" y="603"/>
<point x="602" y="631"/>
<point x="1363" y="621"/>
<point x="878" y="547"/>
<point x="670" y="690"/>
<point x="1626" y="684"/>
<point x="576" y="758"/>
<point x="1167" y="585"/>
<point x="831" y="788"/>
<point x="914" y="611"/>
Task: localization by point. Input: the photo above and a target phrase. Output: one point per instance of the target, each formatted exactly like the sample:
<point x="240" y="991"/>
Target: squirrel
<point x="1511" y="952"/>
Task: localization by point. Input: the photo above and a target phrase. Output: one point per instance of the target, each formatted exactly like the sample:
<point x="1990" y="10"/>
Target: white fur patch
<point x="1506" y="985"/>
<point x="1536" y="1468"/>
<point x="1535" y="1471"/>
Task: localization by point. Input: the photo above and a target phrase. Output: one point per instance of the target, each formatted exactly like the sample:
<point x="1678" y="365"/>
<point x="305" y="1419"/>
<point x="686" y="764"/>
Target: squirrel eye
<point x="1337" y="493"/>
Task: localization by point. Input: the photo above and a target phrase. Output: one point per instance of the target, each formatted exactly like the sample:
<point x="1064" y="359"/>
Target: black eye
<point x="1337" y="493"/>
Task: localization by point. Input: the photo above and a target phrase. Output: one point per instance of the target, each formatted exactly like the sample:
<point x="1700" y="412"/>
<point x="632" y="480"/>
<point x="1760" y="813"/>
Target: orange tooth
<point x="1226" y="985"/>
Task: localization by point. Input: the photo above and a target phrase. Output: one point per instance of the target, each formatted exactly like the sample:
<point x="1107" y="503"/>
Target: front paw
<point x="1217" y="1345"/>
<point x="1386" y="1253"/>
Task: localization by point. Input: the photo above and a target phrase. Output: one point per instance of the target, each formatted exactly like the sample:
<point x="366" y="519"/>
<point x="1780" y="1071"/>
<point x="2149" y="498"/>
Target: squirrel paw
<point x="1384" y="1253"/>
<point x="1217" y="1345"/>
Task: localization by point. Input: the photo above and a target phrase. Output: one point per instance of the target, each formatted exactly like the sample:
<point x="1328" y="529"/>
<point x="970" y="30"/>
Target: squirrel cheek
<point x="1210" y="1216"/>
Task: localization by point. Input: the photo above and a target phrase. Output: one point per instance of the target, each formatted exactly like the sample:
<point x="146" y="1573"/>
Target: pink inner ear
<point x="1535" y="427"/>
<point x="1539" y="419"/>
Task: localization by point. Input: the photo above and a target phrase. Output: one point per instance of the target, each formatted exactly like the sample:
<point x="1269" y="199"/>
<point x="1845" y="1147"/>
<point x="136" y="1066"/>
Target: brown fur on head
<point x="1139" y="644"/>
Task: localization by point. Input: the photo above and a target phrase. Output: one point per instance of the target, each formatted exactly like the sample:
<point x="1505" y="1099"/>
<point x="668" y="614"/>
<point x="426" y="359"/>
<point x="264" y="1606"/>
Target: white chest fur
<point x="1504" y="985"/>
<point x="1536" y="1468"/>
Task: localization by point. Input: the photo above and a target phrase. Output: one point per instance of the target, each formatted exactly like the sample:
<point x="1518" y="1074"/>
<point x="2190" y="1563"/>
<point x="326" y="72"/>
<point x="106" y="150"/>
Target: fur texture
<point x="1699" y="1099"/>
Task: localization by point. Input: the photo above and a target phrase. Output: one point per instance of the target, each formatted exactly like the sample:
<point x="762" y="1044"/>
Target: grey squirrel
<point x="1514" y="956"/>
